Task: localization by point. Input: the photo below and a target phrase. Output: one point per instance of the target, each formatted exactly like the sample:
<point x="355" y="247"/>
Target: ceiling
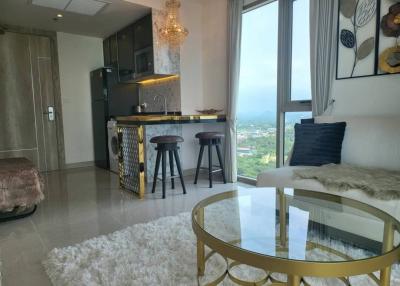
<point x="108" y="17"/>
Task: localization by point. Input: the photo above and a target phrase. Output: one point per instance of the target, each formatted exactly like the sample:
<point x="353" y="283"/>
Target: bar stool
<point x="167" y="143"/>
<point x="210" y="139"/>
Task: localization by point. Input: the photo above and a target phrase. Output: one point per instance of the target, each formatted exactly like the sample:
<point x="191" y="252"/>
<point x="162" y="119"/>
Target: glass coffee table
<point x="298" y="233"/>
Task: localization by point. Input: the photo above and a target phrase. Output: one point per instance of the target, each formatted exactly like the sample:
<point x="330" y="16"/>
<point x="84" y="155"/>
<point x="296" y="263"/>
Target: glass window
<point x="259" y="146"/>
<point x="301" y="77"/>
<point x="257" y="103"/>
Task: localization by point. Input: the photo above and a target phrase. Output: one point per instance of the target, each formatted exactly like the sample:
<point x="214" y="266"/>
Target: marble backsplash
<point x="153" y="95"/>
<point x="166" y="59"/>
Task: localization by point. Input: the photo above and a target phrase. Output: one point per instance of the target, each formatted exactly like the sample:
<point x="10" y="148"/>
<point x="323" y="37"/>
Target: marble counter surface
<point x="169" y="119"/>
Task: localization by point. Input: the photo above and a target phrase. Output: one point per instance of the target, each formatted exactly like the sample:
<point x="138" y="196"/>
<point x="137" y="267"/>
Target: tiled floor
<point x="81" y="204"/>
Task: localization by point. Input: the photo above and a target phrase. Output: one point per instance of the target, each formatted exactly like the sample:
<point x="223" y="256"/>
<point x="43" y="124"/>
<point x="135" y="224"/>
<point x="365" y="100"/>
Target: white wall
<point x="375" y="95"/>
<point x="203" y="68"/>
<point x="378" y="95"/>
<point x="78" y="55"/>
<point x="215" y="60"/>
<point x="192" y="93"/>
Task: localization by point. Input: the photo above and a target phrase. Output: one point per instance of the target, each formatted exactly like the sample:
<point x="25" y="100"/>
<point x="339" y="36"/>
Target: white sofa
<point x="368" y="142"/>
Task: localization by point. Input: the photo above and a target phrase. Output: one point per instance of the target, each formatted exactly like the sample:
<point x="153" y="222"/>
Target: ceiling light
<point x="55" y="4"/>
<point x="84" y="7"/>
<point x="173" y="31"/>
<point x="60" y="15"/>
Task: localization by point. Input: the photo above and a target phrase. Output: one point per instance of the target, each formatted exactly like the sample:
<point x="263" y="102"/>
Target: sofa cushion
<point x="369" y="141"/>
<point x="283" y="178"/>
<point x="318" y="144"/>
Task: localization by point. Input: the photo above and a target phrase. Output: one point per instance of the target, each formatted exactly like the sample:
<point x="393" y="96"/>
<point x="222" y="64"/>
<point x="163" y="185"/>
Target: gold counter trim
<point x="161" y="118"/>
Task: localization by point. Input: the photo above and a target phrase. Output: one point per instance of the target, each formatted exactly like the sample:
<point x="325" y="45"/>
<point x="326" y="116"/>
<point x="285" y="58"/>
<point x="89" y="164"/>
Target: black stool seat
<point x="210" y="139"/>
<point x="167" y="139"/>
<point x="167" y="143"/>
<point x="209" y="135"/>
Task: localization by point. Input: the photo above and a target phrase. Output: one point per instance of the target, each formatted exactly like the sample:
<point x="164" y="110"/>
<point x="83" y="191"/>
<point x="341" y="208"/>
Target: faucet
<point x="165" y="102"/>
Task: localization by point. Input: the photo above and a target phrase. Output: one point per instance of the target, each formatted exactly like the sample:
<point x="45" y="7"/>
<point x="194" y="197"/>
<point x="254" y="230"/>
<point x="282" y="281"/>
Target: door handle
<point x="50" y="113"/>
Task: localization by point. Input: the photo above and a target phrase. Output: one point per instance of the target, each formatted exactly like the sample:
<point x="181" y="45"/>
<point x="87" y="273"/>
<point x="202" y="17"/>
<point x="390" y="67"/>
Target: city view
<point x="256" y="139"/>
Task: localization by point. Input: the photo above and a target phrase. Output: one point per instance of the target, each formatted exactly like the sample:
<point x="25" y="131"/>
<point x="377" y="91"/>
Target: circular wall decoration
<point x="389" y="60"/>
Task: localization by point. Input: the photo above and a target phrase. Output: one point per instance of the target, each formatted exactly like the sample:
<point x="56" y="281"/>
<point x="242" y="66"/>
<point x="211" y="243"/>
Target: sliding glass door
<point x="273" y="96"/>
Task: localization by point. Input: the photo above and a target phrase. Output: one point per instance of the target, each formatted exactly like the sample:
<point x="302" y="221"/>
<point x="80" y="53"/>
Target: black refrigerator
<point x="109" y="99"/>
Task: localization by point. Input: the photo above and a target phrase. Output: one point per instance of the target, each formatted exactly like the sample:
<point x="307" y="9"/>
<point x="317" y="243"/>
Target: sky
<point x="259" y="52"/>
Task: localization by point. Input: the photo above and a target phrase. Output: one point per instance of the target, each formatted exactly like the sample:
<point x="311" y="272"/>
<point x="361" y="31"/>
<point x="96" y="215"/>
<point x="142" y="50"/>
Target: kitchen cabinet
<point x="143" y="33"/>
<point x="125" y="41"/>
<point x="143" y="47"/>
<point x="106" y="52"/>
<point x="131" y="52"/>
<point x="113" y="51"/>
<point x="110" y="53"/>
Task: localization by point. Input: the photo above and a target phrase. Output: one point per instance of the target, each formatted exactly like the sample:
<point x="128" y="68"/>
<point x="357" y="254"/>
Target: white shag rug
<point x="161" y="252"/>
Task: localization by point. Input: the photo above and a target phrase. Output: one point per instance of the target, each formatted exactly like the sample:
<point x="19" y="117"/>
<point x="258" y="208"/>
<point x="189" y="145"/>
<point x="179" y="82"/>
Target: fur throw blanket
<point x="20" y="184"/>
<point x="377" y="183"/>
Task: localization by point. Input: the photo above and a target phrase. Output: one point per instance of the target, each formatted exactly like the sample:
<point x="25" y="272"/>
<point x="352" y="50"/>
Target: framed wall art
<point x="389" y="45"/>
<point x="368" y="38"/>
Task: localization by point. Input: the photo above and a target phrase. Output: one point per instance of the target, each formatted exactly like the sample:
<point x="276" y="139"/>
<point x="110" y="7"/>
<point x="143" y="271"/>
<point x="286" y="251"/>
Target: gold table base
<point x="296" y="270"/>
<point x="269" y="279"/>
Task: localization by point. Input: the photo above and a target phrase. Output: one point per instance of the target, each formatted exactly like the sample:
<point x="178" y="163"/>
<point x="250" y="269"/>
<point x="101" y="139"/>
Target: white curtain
<point x="323" y="21"/>
<point x="235" y="9"/>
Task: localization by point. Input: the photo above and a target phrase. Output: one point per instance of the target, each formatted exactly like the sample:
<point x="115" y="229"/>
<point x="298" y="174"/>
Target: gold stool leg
<point x="293" y="280"/>
<point x="387" y="246"/>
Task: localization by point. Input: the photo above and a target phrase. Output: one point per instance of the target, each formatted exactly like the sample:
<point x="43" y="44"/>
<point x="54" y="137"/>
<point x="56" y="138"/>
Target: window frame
<point x="285" y="104"/>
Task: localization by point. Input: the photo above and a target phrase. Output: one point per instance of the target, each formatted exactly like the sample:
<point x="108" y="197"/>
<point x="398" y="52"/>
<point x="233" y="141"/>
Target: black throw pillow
<point x="318" y="144"/>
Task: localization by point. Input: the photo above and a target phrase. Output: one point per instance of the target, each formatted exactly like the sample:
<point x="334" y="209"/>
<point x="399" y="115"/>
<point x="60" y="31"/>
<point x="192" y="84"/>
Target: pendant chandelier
<point x="173" y="32"/>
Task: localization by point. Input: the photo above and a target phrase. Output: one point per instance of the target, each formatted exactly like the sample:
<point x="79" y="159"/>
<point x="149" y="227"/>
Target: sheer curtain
<point x="235" y="9"/>
<point x="323" y="21"/>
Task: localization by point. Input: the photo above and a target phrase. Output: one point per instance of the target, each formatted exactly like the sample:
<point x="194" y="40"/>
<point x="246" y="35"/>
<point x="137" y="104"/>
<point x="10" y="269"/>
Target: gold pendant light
<point x="173" y="32"/>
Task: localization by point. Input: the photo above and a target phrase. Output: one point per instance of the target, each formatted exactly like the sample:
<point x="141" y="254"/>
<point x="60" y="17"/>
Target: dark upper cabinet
<point x="144" y="62"/>
<point x="130" y="51"/>
<point x="110" y="52"/>
<point x="126" y="66"/>
<point x="143" y="33"/>
<point x="106" y="52"/>
<point x="113" y="51"/>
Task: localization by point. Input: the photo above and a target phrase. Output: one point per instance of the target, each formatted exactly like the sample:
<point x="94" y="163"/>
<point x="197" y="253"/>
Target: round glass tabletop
<point x="257" y="225"/>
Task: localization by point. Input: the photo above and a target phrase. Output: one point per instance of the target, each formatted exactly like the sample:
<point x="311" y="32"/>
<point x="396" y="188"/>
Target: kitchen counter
<point x="136" y="152"/>
<point x="169" y="119"/>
